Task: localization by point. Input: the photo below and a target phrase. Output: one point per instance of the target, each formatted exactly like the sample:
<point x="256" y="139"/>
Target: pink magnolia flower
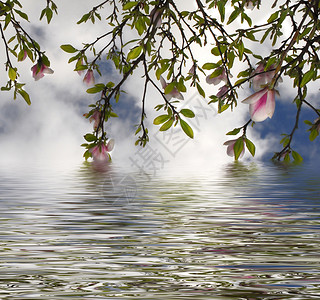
<point x="230" y="150"/>
<point x="249" y="4"/>
<point x="89" y="78"/>
<point x="260" y="81"/>
<point x="216" y="80"/>
<point x="173" y="94"/>
<point x="155" y="17"/>
<point x="223" y="92"/>
<point x="261" y="104"/>
<point x="101" y="151"/>
<point x="96" y="117"/>
<point x="192" y="70"/>
<point x="39" y="69"/>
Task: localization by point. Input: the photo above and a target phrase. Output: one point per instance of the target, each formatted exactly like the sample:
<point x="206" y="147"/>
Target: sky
<point x="51" y="129"/>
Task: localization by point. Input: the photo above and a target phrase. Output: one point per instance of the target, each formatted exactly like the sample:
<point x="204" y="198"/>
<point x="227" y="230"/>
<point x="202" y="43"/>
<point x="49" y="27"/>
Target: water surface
<point x="243" y="231"/>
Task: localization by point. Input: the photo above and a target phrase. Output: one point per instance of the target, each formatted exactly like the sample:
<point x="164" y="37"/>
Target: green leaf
<point x="221" y="8"/>
<point x="87" y="155"/>
<point x="12" y="74"/>
<point x="113" y="115"/>
<point x="134" y="53"/>
<point x="25" y="96"/>
<point x="68" y="48"/>
<point x="297" y="157"/>
<point x="313" y="134"/>
<point x="286" y="158"/>
<point x="129" y="5"/>
<point x="161" y="119"/>
<point x="200" y="90"/>
<point x="84" y="18"/>
<point x="209" y="66"/>
<point x="89" y="137"/>
<point x="96" y="89"/>
<point x="307" y="77"/>
<point x="22" y="14"/>
<point x="233" y="15"/>
<point x="237" y="148"/>
<point x="273" y="17"/>
<point x="187" y="113"/>
<point x="166" y="125"/>
<point x="250" y="146"/>
<point x="186" y="128"/>
<point x="49" y="14"/>
<point x="234" y="131"/>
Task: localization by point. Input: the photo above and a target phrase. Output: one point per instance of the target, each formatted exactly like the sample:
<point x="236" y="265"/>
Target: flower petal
<point x="163" y="82"/>
<point x="263" y="108"/>
<point x="110" y="145"/>
<point x="254" y="97"/>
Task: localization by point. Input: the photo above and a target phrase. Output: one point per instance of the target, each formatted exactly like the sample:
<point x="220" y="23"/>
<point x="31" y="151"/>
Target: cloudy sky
<point x="52" y="128"/>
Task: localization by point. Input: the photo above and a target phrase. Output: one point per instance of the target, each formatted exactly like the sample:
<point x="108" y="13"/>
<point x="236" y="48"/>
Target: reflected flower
<point x="173" y="94"/>
<point x="101" y="151"/>
<point x="261" y="104"/>
<point x="39" y="69"/>
<point x="230" y="148"/>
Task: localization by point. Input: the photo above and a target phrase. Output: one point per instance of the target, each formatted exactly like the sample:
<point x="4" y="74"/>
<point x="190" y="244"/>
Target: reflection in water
<point x="242" y="232"/>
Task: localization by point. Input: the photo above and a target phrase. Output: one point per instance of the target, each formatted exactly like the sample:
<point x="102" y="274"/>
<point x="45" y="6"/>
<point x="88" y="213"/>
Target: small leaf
<point x="113" y="115"/>
<point x="12" y="74"/>
<point x="129" y="5"/>
<point x="234" y="131"/>
<point x="237" y="148"/>
<point x="160" y="119"/>
<point x="25" y="96"/>
<point x="297" y="157"/>
<point x="186" y="128"/>
<point x="250" y="146"/>
<point x="68" y="48"/>
<point x="89" y="137"/>
<point x="200" y="90"/>
<point x="166" y="125"/>
<point x="134" y="53"/>
<point x="273" y="17"/>
<point x="313" y="134"/>
<point x="187" y="113"/>
<point x="307" y="77"/>
<point x="233" y="15"/>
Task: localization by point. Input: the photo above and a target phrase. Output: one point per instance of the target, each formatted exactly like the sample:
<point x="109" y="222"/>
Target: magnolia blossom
<point x="173" y="94"/>
<point x="262" y="104"/>
<point x="192" y="70"/>
<point x="216" y="80"/>
<point x="96" y="117"/>
<point x="262" y="80"/>
<point x="249" y="4"/>
<point x="155" y="17"/>
<point x="223" y="92"/>
<point x="101" y="151"/>
<point x="89" y="78"/>
<point x="230" y="149"/>
<point x="39" y="69"/>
